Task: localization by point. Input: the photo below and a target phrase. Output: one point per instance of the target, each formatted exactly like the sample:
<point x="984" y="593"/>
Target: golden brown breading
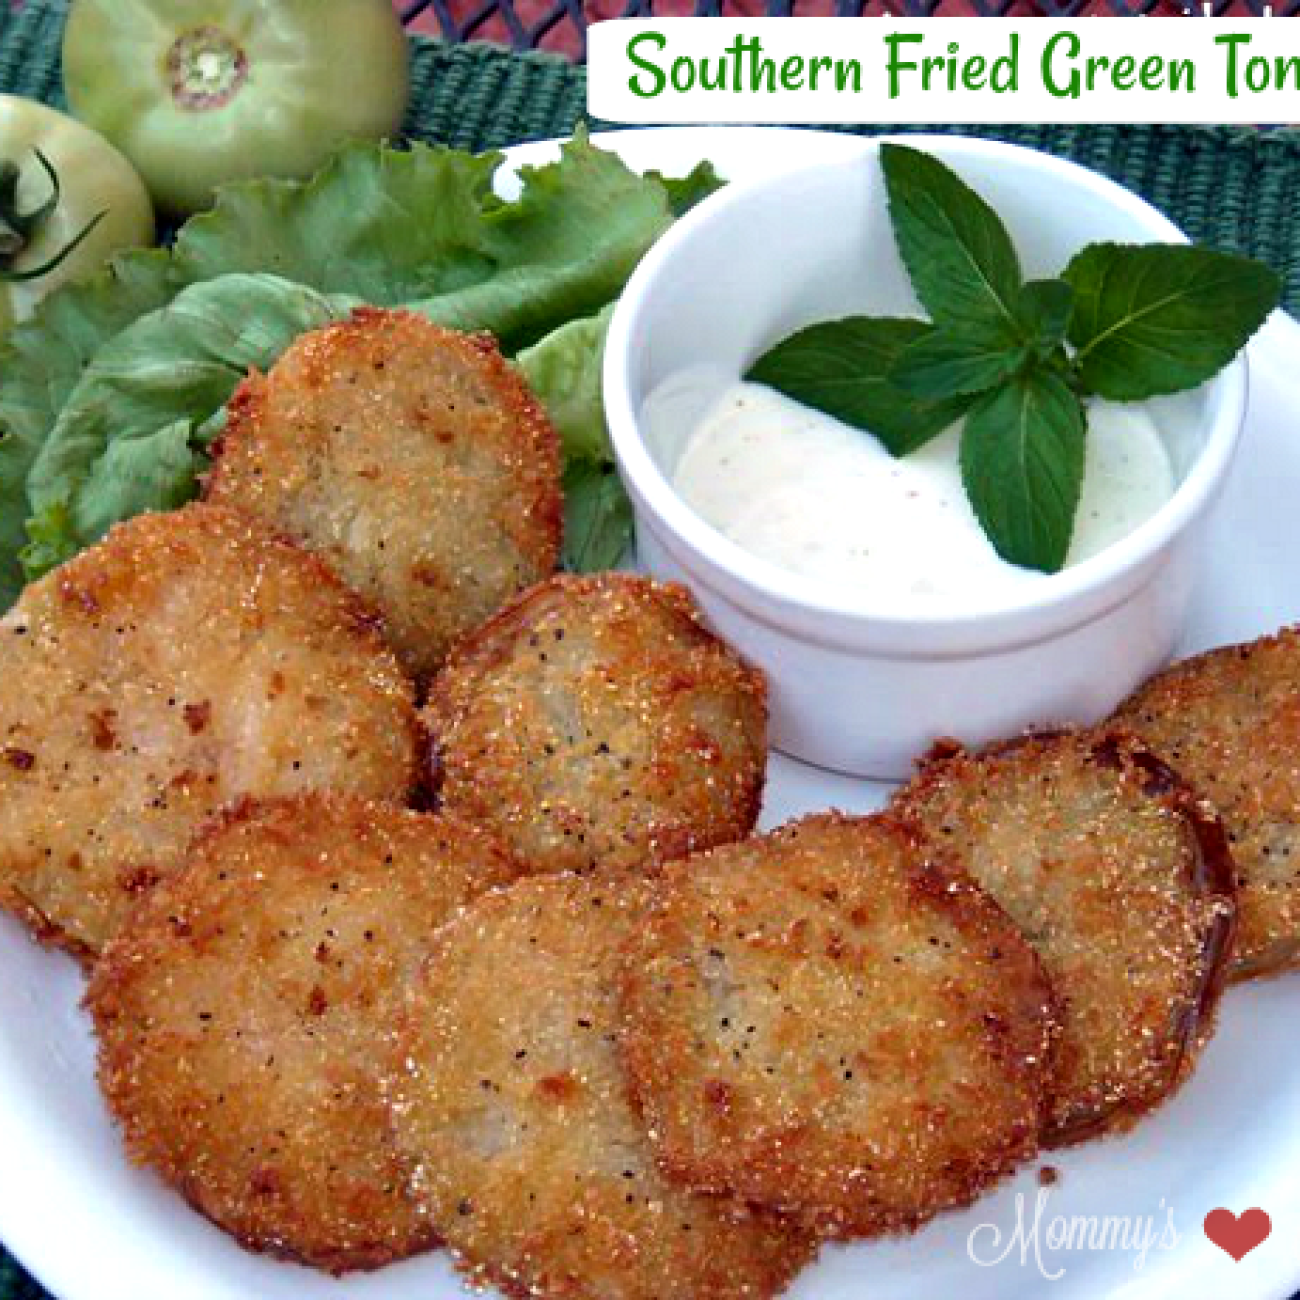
<point x="412" y="457"/>
<point x="831" y="1021"/>
<point x="1121" y="880"/>
<point x="187" y="660"/>
<point x="243" y="1010"/>
<point x="530" y="1159"/>
<point x="1229" y="723"/>
<point x="596" y="722"/>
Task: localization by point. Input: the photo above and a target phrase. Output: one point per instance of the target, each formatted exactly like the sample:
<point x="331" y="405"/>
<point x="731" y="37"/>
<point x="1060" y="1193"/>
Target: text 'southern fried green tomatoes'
<point x="68" y="200"/>
<point x="200" y="92"/>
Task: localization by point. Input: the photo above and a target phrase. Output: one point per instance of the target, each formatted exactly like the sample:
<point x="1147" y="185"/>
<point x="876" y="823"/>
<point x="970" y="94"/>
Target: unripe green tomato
<point x="200" y="92"/>
<point x="100" y="207"/>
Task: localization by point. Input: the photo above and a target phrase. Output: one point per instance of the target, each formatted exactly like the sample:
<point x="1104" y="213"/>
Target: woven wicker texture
<point x="1233" y="188"/>
<point x="562" y="24"/>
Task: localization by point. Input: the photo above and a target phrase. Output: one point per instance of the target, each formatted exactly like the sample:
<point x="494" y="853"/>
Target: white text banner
<point x="933" y="70"/>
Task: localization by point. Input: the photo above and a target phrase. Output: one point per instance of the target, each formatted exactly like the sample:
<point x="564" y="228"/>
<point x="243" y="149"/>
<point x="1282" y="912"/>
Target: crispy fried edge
<point x="246" y="413"/>
<point x="1212" y="878"/>
<point x="490" y="645"/>
<point x="803" y="1245"/>
<point x="144" y="539"/>
<point x="938" y="878"/>
<point x="1281" y="954"/>
<point x="114" y="971"/>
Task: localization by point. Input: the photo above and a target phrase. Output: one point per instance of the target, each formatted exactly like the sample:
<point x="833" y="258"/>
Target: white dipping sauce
<point x="819" y="498"/>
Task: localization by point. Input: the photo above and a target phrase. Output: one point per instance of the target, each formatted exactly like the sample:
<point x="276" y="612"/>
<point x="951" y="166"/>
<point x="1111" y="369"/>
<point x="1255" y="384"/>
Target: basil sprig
<point x="1017" y="358"/>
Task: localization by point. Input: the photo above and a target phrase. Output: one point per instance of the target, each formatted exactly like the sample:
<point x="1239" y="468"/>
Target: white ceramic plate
<point x="92" y="1228"/>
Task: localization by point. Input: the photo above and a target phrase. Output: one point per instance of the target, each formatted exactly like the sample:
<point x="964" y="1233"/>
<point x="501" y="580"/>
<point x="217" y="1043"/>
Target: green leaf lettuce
<point x="128" y="438"/>
<point x="41" y="362"/>
<point x="563" y="369"/>
<point x="424" y="228"/>
<point x="597" y="517"/>
<point x="110" y="394"/>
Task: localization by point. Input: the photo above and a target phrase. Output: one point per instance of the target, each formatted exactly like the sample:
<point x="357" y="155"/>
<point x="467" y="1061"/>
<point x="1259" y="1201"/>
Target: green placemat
<point x="1235" y="188"/>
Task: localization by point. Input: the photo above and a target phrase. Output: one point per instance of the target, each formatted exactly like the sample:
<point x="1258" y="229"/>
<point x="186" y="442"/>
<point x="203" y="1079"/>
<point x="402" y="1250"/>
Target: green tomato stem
<point x="205" y="69"/>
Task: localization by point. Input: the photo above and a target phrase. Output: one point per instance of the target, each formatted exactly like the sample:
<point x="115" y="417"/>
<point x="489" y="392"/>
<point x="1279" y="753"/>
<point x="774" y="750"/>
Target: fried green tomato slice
<point x="414" y="458"/>
<point x="530" y="1160"/>
<point x="1121" y="880"/>
<point x="830" y="1021"/>
<point x="597" y="722"/>
<point x="1229" y="723"/>
<point x="188" y="660"/>
<point x="242" y="1011"/>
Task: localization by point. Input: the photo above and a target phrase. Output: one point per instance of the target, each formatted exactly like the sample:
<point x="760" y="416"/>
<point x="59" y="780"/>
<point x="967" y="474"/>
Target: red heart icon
<point x="1238" y="1236"/>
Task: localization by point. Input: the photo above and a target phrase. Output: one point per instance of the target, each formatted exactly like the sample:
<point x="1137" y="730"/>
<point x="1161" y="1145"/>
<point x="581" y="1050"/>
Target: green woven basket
<point x="1234" y="188"/>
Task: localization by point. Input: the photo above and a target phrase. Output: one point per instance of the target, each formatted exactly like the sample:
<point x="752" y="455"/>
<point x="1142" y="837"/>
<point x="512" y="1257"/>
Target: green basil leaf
<point x="1044" y="308"/>
<point x="597" y="517"/>
<point x="1022" y="457"/>
<point x="845" y="369"/>
<point x="955" y="360"/>
<point x="957" y="252"/>
<point x="1160" y="318"/>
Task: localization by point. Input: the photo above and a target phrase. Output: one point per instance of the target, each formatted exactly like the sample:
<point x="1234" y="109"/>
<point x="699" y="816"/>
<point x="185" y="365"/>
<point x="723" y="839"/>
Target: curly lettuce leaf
<point x="155" y="472"/>
<point x="15" y="461"/>
<point x="41" y="362"/>
<point x="51" y="540"/>
<point x="384" y="225"/>
<point x="131" y="435"/>
<point x="597" y="517"/>
<point x="84" y="411"/>
<point x="563" y="369"/>
<point x="684" y="192"/>
<point x="424" y="228"/>
<point x="563" y="249"/>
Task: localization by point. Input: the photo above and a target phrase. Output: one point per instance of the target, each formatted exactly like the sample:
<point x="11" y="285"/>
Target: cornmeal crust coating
<point x="188" y="660"/>
<point x="1229" y="723"/>
<point x="531" y="1161"/>
<point x="597" y="722"/>
<point x="243" y="1011"/>
<point x="414" y="458"/>
<point x="832" y="1021"/>
<point x="1121" y="880"/>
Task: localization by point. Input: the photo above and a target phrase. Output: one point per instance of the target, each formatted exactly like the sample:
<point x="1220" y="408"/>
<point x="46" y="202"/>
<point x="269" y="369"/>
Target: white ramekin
<point x="856" y="685"/>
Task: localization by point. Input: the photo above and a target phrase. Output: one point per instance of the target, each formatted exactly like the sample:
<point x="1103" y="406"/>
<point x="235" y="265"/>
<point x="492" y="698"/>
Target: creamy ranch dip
<point x="816" y="497"/>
